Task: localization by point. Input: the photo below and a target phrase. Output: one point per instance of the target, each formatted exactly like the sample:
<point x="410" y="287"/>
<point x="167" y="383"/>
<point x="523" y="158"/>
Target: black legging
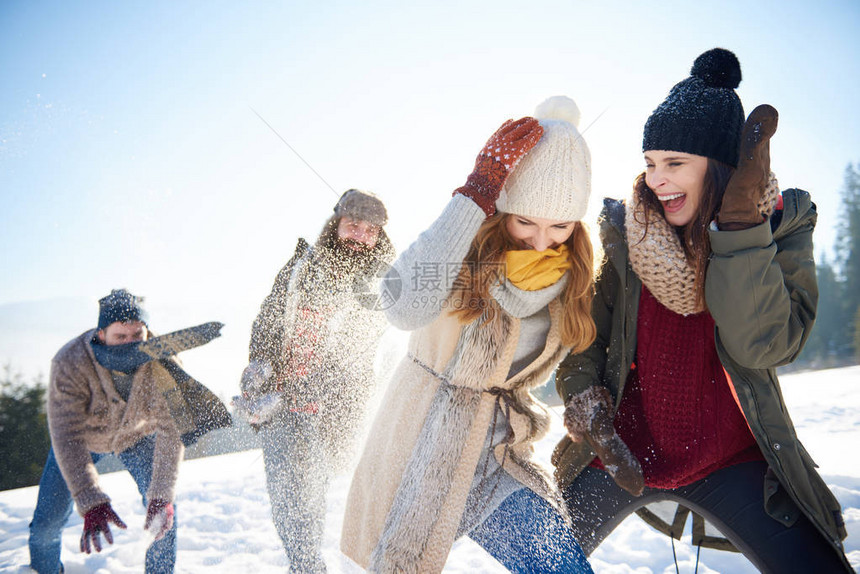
<point x="732" y="499"/>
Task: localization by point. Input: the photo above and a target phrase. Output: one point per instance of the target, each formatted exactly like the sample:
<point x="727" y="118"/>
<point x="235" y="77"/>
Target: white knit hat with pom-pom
<point x="553" y="180"/>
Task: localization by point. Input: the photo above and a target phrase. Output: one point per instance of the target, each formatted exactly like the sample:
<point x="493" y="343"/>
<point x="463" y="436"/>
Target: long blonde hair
<point x="484" y="267"/>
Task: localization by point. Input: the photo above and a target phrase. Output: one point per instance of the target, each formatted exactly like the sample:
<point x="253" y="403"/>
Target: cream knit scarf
<point x="658" y="258"/>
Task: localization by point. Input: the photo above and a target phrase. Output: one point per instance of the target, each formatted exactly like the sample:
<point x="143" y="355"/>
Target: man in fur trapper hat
<point x="311" y="368"/>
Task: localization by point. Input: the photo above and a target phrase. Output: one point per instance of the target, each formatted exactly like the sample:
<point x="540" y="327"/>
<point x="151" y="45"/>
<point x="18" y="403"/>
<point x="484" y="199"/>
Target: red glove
<point x="500" y="155"/>
<point x="159" y="517"/>
<point x="97" y="520"/>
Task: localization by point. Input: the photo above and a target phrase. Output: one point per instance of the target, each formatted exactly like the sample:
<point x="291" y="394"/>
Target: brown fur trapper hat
<point x="361" y="205"/>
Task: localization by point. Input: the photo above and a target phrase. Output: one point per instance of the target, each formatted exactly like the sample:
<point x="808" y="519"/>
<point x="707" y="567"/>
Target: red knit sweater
<point x="678" y="414"/>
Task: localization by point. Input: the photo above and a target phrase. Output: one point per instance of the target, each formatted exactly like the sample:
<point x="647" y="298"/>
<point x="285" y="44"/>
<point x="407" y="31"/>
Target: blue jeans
<point x="54" y="506"/>
<point x="526" y="534"/>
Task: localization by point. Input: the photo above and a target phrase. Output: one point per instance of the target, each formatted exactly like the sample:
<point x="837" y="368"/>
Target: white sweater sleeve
<point x="426" y="271"/>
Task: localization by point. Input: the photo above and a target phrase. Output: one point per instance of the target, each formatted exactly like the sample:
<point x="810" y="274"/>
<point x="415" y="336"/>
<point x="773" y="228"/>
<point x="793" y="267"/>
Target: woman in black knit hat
<point x="707" y="285"/>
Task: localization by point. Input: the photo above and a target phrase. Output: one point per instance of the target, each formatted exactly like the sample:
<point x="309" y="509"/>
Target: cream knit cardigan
<point x="409" y="490"/>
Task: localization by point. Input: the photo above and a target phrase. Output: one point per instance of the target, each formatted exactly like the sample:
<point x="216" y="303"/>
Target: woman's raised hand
<point x="497" y="159"/>
<point x="745" y="190"/>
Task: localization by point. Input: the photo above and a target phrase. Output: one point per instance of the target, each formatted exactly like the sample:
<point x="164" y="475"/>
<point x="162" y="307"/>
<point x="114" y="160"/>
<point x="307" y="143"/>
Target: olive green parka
<point x="761" y="291"/>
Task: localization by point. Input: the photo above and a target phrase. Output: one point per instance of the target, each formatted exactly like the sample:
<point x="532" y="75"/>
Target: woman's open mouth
<point x="672" y="202"/>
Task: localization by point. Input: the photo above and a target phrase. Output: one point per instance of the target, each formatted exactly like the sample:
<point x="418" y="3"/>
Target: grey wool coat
<point x="320" y="337"/>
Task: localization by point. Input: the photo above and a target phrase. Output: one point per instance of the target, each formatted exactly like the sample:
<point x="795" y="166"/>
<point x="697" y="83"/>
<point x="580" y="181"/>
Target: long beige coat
<point x="86" y="414"/>
<point x="409" y="490"/>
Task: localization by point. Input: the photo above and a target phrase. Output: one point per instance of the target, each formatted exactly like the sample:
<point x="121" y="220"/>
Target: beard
<point x="350" y="257"/>
<point x="352" y="246"/>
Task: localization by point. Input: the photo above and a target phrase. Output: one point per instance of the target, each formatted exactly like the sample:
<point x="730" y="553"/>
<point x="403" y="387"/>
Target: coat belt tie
<point x="504" y="400"/>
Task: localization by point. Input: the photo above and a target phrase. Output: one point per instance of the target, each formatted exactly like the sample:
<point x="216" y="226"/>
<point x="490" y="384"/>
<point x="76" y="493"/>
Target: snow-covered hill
<point x="224" y="522"/>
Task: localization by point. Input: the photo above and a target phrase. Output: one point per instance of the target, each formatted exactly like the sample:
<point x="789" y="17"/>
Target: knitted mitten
<point x="97" y="520"/>
<point x="741" y="202"/>
<point x="497" y="159"/>
<point x="588" y="418"/>
<point x="255" y="375"/>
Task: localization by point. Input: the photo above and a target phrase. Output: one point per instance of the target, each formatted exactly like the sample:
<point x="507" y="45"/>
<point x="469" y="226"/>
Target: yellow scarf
<point x="532" y="270"/>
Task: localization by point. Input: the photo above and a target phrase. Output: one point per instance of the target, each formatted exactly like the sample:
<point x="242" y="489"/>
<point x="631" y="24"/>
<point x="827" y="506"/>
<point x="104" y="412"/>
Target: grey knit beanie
<point x="702" y="115"/>
<point x="121" y="306"/>
<point x="553" y="180"/>
<point x="361" y="205"/>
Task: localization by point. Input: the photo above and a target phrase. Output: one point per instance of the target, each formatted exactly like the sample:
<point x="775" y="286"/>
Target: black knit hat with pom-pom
<point x="702" y="115"/>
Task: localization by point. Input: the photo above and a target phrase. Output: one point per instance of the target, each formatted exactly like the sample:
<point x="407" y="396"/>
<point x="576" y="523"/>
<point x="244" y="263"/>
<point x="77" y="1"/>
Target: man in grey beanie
<point x="116" y="389"/>
<point x="310" y="373"/>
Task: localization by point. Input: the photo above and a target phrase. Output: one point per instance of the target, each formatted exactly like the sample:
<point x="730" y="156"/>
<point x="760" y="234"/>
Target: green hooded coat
<point x="761" y="291"/>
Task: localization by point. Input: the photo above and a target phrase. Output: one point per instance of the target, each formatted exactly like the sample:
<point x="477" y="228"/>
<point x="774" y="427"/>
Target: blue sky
<point x="130" y="154"/>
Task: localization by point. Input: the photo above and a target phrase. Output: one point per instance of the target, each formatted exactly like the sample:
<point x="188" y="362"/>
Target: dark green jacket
<point x="762" y="293"/>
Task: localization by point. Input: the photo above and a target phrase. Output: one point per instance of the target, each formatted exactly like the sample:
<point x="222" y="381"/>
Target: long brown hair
<point x="693" y="236"/>
<point x="484" y="267"/>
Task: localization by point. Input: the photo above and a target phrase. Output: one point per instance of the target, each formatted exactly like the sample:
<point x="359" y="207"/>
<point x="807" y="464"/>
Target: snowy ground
<point x="225" y="526"/>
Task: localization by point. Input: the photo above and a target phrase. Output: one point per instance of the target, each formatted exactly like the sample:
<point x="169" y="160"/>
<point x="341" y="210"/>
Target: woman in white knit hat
<point x="496" y="292"/>
<point x="708" y="284"/>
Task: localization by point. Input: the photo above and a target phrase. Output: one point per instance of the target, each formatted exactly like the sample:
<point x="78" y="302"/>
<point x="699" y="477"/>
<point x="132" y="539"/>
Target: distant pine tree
<point x="835" y="338"/>
<point x="24" y="438"/>
<point x="848" y="254"/>
<point x="857" y="336"/>
<point x="830" y="329"/>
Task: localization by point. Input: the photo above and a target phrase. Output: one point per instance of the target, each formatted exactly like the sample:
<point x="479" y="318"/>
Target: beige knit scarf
<point x="658" y="258"/>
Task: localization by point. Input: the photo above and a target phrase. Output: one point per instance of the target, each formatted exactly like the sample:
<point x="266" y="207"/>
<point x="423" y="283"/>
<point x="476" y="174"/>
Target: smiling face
<point x="678" y="180"/>
<point x="538" y="233"/>
<point x="357" y="234"/>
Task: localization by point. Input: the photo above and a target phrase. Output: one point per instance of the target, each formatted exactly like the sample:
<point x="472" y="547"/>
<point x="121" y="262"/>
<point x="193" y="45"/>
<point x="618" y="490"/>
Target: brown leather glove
<point x="588" y="418"/>
<point x="497" y="159"/>
<point x="740" y="208"/>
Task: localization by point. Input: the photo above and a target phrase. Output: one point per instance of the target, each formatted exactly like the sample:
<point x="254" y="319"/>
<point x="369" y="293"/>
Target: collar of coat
<point x="521" y="303"/>
<point x="194" y="408"/>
